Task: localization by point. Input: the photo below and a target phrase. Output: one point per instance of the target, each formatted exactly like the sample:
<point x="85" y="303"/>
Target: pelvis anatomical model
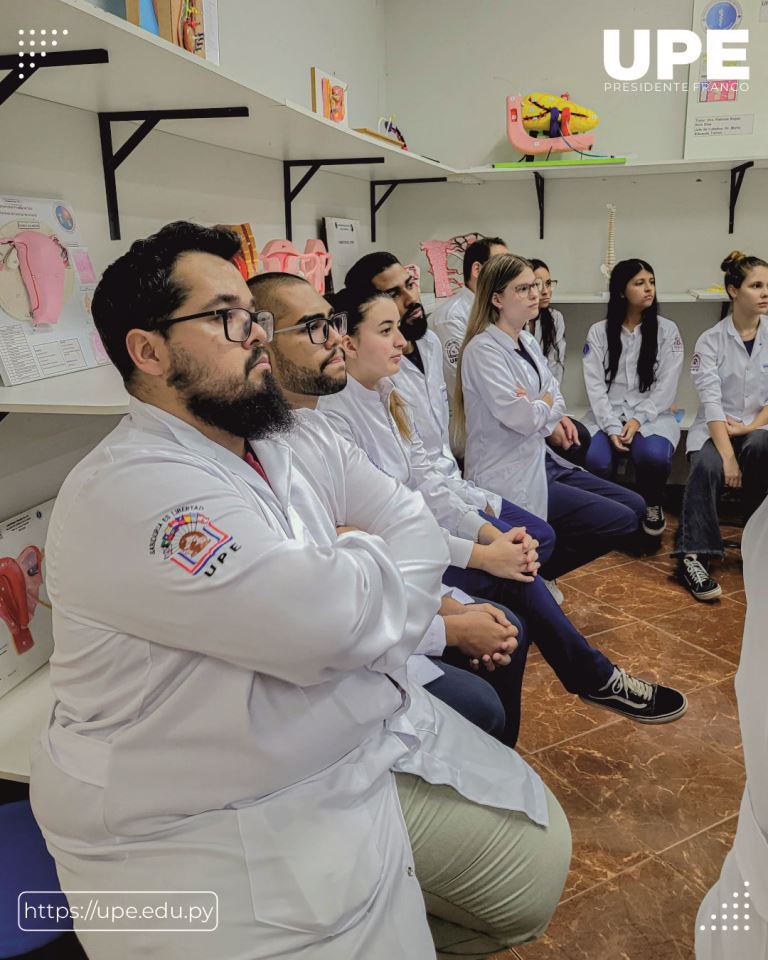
<point x="20" y="582"/>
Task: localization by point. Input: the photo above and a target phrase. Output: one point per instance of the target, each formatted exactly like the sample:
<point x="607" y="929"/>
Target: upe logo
<point x="674" y="48"/>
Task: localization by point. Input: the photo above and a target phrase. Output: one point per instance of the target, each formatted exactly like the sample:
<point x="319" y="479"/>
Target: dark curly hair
<point x="139" y="290"/>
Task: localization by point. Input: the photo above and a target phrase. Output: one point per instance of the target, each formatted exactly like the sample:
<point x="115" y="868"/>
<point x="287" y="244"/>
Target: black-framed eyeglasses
<point x="238" y="322"/>
<point x="319" y="328"/>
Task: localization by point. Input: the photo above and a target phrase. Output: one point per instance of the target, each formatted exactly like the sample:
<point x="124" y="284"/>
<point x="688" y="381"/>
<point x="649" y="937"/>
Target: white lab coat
<point x="427" y="396"/>
<point x="556" y="356"/>
<point x="449" y="321"/>
<point x="748" y="859"/>
<point x="728" y="380"/>
<point x="610" y="409"/>
<point x="506" y="433"/>
<point x="225" y="718"/>
<point x="362" y="416"/>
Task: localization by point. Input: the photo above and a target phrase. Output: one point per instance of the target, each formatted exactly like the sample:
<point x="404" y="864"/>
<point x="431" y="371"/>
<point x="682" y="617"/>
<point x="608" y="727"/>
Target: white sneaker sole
<point x="638" y="718"/>
<point x="709" y="595"/>
<point x="654" y="533"/>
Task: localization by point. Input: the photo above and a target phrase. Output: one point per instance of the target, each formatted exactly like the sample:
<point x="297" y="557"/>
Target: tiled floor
<point x="652" y="809"/>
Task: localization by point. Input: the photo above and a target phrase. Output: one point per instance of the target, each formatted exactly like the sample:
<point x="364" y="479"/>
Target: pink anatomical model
<point x="14" y="608"/>
<point x="447" y="277"/>
<point x="42" y="262"/>
<point x="316" y="271"/>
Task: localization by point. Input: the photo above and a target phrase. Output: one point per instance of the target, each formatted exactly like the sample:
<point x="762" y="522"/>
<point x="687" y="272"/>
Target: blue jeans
<point x="470" y="695"/>
<point x="590" y="517"/>
<point x="651" y="456"/>
<point x="699" y="530"/>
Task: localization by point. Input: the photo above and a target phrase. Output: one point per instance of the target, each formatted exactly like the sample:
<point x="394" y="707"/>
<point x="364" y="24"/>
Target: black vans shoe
<point x="639" y="700"/>
<point x="693" y="575"/>
<point x="654" y="522"/>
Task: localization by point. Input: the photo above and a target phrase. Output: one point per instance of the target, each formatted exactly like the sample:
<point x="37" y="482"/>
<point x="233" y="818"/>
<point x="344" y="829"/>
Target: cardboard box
<point x="26" y="634"/>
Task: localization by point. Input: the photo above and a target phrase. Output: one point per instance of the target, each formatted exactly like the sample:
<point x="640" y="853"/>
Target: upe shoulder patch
<point x="695" y="362"/>
<point x="187" y="537"/>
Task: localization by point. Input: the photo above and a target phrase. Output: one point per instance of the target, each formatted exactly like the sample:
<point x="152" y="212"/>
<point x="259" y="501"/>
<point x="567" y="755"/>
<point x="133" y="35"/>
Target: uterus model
<point x="42" y="261"/>
<point x="20" y="582"/>
<point x="282" y="256"/>
<point x="610" y="255"/>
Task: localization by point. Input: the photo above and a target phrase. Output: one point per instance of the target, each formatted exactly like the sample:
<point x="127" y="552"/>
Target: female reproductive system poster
<point x="46" y="288"/>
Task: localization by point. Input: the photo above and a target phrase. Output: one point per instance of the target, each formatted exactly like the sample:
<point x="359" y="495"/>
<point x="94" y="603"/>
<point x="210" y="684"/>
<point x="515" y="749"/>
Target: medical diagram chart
<point x="47" y="282"/>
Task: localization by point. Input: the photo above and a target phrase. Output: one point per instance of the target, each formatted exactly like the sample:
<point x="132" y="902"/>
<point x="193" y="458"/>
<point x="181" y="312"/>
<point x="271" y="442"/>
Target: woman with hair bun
<point x="728" y="442"/>
<point x="632" y="363"/>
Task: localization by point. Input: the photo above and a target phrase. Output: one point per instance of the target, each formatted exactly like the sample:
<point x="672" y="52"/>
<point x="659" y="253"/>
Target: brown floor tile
<point x="636" y="588"/>
<point x="649" y="653"/>
<point x="700" y="858"/>
<point x="646" y="913"/>
<point x="662" y="783"/>
<point x="550" y="714"/>
<point x="713" y="717"/>
<point x="716" y="627"/>
<point x="602" y="847"/>
<point x="740" y="596"/>
<point x="588" y="615"/>
<point x="614" y="559"/>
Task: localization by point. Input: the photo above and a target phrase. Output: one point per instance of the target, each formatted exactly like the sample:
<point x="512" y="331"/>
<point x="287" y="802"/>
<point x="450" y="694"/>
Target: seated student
<point x="549" y="329"/>
<point x="419" y="381"/>
<point x="369" y="412"/>
<point x="230" y="699"/>
<point x="508" y="402"/>
<point x="632" y="363"/>
<point x="728" y="442"/>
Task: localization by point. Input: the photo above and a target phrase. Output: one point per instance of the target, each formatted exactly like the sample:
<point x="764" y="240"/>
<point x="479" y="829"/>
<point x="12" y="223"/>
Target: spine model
<point x="610" y="256"/>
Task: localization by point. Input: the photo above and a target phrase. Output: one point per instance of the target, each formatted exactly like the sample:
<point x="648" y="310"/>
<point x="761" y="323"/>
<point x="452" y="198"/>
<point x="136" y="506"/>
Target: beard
<point x="304" y="381"/>
<point x="414" y="322"/>
<point x="233" y="404"/>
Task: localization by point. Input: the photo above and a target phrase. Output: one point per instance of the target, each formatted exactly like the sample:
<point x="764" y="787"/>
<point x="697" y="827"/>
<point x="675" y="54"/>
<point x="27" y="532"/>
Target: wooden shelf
<point x="23" y="712"/>
<point x="96" y="391"/>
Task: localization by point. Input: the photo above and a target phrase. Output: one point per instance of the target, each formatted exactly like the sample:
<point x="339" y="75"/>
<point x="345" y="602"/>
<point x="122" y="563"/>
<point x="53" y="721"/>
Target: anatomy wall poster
<point x="46" y="287"/>
<point x="26" y="636"/>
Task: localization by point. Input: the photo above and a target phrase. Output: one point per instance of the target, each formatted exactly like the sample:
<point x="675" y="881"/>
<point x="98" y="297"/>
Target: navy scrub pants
<point x="590" y="517"/>
<point x="651" y="457"/>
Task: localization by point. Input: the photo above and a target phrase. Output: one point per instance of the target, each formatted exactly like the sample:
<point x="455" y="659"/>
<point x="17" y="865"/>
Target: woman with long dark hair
<point x="632" y="363"/>
<point x="728" y="441"/>
<point x="549" y="329"/>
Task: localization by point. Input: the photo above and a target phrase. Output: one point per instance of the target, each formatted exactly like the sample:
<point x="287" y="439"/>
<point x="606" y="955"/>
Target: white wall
<point x="450" y="66"/>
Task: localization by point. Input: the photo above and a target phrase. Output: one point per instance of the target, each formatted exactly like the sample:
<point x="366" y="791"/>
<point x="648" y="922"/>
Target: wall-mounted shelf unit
<point x="98" y="391"/>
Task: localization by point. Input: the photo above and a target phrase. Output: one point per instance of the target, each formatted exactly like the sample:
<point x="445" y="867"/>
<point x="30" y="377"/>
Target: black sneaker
<point x="639" y="700"/>
<point x="693" y="575"/>
<point x="654" y="523"/>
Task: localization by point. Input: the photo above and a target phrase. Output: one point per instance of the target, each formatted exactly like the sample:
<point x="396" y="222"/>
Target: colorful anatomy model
<point x="386" y="125"/>
<point x="41" y="261"/>
<point x="448" y="278"/>
<point x="20" y="582"/>
<point x="334" y="100"/>
<point x="186" y="21"/>
<point x="543" y="123"/>
<point x="282" y="256"/>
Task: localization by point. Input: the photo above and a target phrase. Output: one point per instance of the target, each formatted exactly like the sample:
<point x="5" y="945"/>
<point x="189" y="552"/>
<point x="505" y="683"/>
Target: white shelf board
<point x="23" y="711"/>
<point x="630" y="169"/>
<point x="662" y="298"/>
<point x="147" y="73"/>
<point x="96" y="391"/>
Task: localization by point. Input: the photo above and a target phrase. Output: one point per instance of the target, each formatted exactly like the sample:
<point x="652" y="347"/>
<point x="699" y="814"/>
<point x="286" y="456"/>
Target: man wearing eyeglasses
<point x="228" y="670"/>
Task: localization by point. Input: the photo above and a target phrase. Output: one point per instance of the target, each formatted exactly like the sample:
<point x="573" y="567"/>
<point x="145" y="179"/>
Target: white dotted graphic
<point x="28" y="40"/>
<point x="735" y="916"/>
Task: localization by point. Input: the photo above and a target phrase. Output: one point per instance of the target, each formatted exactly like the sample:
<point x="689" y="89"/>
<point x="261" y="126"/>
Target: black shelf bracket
<point x="290" y="193"/>
<point x="737" y="178"/>
<point x="377" y="204"/>
<point x="112" y="159"/>
<point x="540" y="197"/>
<point x="22" y="68"/>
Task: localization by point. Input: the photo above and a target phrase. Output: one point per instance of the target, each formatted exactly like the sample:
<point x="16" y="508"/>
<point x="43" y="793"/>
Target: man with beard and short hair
<point x="230" y="699"/>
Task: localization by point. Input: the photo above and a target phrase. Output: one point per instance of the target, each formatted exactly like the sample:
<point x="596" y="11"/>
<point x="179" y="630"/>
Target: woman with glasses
<point x="632" y="363"/>
<point x="508" y="402"/>
<point x="549" y="329"/>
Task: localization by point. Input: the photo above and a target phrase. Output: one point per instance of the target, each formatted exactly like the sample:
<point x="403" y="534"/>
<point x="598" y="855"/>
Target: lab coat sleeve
<point x="593" y="359"/>
<point x="450" y="511"/>
<point x="484" y="370"/>
<point x="706" y="377"/>
<point x="286" y="608"/>
<point x="550" y="385"/>
<point x="450" y="330"/>
<point x="663" y="391"/>
<point x="433" y="642"/>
